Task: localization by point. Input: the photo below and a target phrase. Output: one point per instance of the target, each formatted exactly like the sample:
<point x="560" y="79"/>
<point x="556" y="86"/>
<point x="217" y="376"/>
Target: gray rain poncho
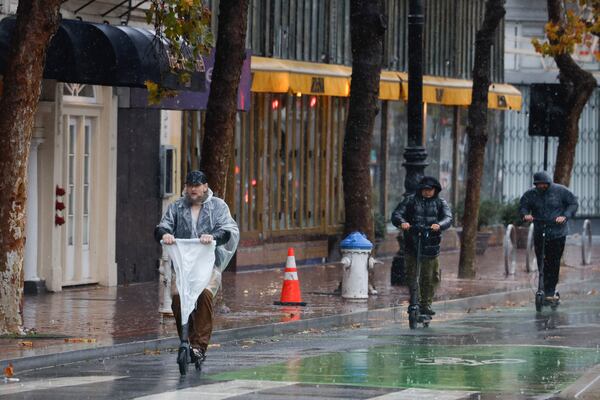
<point x="215" y="219"/>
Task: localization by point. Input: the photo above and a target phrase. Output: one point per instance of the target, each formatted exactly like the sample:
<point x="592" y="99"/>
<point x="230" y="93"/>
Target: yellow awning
<point x="281" y="76"/>
<point x="458" y="92"/>
<point x="272" y="75"/>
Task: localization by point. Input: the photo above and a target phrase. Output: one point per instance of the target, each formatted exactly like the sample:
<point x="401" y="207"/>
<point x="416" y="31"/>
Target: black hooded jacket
<point x="556" y="201"/>
<point x="417" y="210"/>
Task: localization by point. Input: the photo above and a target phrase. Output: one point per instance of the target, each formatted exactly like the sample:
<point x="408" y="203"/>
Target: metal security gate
<point x="524" y="155"/>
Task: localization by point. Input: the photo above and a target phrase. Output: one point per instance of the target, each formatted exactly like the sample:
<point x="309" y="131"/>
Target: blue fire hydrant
<point x="356" y="252"/>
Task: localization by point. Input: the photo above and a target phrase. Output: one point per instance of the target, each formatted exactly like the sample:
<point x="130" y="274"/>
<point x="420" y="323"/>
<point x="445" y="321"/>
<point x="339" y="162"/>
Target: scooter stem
<point x="185" y="333"/>
<point x="541" y="287"/>
<point x="415" y="286"/>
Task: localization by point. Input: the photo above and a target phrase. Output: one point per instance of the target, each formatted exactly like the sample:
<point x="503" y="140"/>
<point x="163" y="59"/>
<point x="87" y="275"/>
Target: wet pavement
<point x="504" y="353"/>
<point x="91" y="317"/>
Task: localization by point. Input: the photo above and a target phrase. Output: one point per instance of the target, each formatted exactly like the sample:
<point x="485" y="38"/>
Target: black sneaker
<point x="426" y="310"/>
<point x="197" y="355"/>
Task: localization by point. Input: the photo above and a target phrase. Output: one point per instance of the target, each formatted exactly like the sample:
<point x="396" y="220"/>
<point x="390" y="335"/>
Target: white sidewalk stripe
<point x="217" y="391"/>
<point x="587" y="387"/>
<point x="425" y="394"/>
<point x="52" y="383"/>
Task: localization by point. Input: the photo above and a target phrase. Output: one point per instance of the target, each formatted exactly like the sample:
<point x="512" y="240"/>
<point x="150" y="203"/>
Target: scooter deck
<point x="551" y="303"/>
<point x="419" y="319"/>
<point x="541" y="302"/>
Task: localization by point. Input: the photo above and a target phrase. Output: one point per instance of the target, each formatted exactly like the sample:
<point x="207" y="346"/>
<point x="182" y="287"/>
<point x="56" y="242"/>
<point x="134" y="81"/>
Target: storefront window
<point x="439" y="145"/>
<point x="397" y="131"/>
<point x="376" y="167"/>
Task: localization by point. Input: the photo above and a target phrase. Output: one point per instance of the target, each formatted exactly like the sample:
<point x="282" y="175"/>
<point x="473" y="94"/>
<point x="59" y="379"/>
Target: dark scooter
<point x="414" y="310"/>
<point x="540" y="295"/>
<point x="185" y="355"/>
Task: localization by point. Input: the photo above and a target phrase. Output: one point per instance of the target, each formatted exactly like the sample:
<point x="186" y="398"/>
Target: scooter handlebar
<point x="545" y="221"/>
<point x="423" y="229"/>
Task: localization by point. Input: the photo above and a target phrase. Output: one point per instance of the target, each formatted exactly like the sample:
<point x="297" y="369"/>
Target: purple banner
<point x="187" y="100"/>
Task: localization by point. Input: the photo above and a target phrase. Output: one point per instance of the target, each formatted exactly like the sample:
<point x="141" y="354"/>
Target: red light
<point x="275" y="104"/>
<point x="253" y="182"/>
<point x="237" y="169"/>
<point x="313" y="101"/>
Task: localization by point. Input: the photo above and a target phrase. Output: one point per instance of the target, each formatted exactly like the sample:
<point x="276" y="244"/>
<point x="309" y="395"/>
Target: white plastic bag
<point x="193" y="263"/>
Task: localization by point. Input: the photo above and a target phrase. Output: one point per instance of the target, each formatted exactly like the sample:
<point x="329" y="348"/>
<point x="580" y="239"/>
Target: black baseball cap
<point x="195" y="178"/>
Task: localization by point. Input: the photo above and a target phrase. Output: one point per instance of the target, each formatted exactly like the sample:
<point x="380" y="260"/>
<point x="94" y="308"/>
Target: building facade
<point x="523" y="155"/>
<point x="288" y="183"/>
<point x="115" y="163"/>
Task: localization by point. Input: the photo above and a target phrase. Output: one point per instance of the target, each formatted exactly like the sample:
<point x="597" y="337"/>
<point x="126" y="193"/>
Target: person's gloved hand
<point x="221" y="237"/>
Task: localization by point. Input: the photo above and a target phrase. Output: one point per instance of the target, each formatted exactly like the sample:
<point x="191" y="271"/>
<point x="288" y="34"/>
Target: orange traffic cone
<point x="290" y="293"/>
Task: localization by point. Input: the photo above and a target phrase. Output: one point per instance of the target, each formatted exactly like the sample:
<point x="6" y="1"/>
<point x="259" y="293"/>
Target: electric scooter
<point x="185" y="355"/>
<point x="414" y="310"/>
<point x="540" y="295"/>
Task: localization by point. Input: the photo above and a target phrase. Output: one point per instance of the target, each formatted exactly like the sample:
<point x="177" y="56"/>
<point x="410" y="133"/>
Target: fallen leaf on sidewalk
<point x="214" y="346"/>
<point x="26" y="343"/>
<point x="151" y="352"/>
<point x="592" y="292"/>
<point x="9" y="371"/>
<point x="355" y="326"/>
<point x="80" y="340"/>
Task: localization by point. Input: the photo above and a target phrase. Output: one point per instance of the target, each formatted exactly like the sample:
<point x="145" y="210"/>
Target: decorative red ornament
<point x="59" y="205"/>
<point x="58" y="220"/>
<point x="60" y="191"/>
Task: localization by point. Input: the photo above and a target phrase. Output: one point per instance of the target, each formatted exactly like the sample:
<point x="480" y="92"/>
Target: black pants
<point x="553" y="253"/>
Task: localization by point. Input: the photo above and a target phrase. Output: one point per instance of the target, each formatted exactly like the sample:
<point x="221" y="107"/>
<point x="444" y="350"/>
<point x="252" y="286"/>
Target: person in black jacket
<point x="424" y="208"/>
<point x="554" y="204"/>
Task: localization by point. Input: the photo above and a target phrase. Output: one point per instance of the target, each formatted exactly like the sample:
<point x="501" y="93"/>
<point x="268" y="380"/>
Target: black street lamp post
<point x="415" y="153"/>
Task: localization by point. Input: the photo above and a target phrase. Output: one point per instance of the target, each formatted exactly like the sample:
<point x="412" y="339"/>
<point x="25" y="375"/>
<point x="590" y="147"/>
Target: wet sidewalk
<point x="94" y="317"/>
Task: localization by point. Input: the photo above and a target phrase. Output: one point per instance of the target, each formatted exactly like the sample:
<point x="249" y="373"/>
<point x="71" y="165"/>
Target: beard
<point x="195" y="202"/>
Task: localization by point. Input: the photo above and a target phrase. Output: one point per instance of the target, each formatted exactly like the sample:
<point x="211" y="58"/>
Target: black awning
<point x="101" y="54"/>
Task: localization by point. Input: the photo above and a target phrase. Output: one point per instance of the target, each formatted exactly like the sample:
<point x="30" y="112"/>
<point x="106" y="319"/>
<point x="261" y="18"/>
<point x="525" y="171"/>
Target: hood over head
<point x="542" y="177"/>
<point x="429" y="182"/>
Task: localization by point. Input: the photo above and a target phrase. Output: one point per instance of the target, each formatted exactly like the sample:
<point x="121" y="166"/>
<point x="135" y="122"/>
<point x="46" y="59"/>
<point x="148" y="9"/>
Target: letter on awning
<point x="271" y="75"/>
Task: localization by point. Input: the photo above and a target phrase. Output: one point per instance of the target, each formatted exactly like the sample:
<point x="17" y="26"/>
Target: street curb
<point x="389" y="314"/>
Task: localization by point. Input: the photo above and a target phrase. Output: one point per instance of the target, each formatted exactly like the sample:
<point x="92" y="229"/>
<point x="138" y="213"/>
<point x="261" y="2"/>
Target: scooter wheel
<point x="198" y="365"/>
<point x="426" y="324"/>
<point x="539" y="302"/>
<point x="183" y="359"/>
<point x="412" y="319"/>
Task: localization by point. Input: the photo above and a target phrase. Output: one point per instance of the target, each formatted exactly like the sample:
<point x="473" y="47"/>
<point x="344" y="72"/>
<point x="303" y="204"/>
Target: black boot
<point x="426" y="310"/>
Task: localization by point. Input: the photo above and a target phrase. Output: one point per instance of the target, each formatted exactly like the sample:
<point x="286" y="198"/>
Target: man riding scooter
<point x="548" y="205"/>
<point x="424" y="210"/>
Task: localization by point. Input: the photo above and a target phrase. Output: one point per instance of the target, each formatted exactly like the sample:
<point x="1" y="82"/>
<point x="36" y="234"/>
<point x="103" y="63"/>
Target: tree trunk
<point x="579" y="86"/>
<point x="221" y="109"/>
<point x="37" y="21"/>
<point x="367" y="27"/>
<point x="477" y="134"/>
